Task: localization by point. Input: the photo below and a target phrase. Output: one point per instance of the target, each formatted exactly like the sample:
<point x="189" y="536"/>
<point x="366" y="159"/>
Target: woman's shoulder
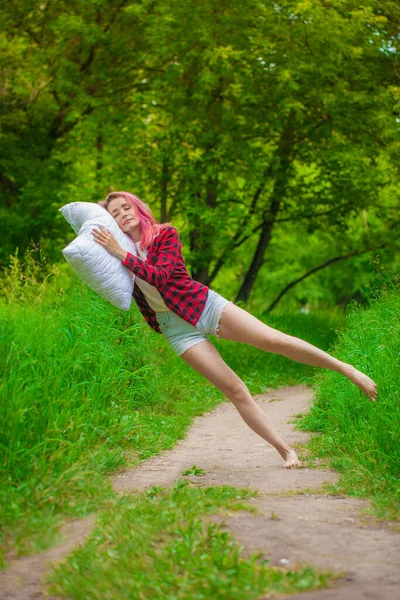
<point x="168" y="238"/>
<point x="168" y="226"/>
<point x="167" y="230"/>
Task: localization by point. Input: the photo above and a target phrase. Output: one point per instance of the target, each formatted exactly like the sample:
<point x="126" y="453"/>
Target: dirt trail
<point x="323" y="531"/>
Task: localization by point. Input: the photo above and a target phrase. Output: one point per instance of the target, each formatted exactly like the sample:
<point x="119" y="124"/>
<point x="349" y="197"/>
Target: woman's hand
<point x="105" y="238"/>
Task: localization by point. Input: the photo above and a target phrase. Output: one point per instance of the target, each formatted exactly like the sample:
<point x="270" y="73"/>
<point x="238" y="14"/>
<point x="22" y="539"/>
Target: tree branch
<point x="258" y="227"/>
<point x="232" y="245"/>
<point x="323" y="120"/>
<point x="314" y="270"/>
<point x="311" y="216"/>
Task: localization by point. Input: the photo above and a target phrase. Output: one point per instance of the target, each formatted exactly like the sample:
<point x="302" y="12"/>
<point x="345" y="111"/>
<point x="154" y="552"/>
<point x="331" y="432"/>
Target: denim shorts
<point x="181" y="335"/>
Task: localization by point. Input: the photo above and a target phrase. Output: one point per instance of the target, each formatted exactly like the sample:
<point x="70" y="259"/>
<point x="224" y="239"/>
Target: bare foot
<point x="365" y="383"/>
<point x="291" y="460"/>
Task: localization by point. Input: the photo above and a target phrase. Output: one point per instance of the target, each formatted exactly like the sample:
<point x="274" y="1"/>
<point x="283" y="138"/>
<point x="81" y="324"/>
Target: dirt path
<point x="324" y="531"/>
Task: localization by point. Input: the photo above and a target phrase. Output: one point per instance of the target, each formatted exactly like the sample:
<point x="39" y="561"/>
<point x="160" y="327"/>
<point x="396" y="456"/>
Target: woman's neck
<point x="135" y="235"/>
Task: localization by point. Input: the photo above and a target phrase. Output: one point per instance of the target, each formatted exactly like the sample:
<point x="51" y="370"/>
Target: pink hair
<point x="150" y="226"/>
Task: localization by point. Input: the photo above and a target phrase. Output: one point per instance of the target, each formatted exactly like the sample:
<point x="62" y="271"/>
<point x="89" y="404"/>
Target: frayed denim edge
<point x="220" y="318"/>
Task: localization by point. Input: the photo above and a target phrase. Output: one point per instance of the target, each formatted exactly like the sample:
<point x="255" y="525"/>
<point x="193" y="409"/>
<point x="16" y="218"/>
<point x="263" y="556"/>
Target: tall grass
<point x="86" y="388"/>
<point x="361" y="438"/>
<point x="83" y="389"/>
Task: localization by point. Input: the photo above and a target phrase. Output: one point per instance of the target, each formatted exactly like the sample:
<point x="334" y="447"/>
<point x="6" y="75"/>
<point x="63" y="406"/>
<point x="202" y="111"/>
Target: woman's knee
<point x="233" y="388"/>
<point x="205" y="359"/>
<point x="237" y="392"/>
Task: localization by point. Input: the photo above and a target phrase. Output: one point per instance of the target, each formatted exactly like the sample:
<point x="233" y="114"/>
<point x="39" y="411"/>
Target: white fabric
<point x="99" y="269"/>
<point x="151" y="293"/>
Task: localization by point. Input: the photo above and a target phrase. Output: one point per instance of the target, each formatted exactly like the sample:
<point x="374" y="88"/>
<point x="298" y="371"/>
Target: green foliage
<point x="227" y="119"/>
<point x="363" y="439"/>
<point x="194" y="471"/>
<point x="295" y="252"/>
<point x="31" y="280"/>
<point x="161" y="545"/>
<point x="87" y="388"/>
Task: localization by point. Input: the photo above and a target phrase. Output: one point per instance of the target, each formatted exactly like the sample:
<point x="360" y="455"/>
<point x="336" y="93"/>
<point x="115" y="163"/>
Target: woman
<point x="186" y="311"/>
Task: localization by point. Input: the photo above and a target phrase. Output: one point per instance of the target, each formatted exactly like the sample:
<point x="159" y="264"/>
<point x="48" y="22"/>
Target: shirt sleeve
<point x="167" y="256"/>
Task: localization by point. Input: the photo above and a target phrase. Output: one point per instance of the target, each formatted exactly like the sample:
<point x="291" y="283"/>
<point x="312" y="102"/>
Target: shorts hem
<point x="195" y="342"/>
<point x="220" y="318"/>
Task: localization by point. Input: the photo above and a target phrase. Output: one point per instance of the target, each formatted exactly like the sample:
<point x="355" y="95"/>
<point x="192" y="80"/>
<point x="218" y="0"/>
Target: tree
<point x="228" y="117"/>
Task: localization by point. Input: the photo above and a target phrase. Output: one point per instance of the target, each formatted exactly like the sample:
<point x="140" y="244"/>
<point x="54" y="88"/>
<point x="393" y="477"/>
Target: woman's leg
<point x="240" y="326"/>
<point x="205" y="359"/>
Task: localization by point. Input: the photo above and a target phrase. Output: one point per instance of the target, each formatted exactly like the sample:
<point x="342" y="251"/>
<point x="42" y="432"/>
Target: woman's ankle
<point x="285" y="450"/>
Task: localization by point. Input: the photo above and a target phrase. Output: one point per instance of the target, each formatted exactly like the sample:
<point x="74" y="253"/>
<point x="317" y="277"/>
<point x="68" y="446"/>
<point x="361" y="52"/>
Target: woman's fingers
<point x="100" y="236"/>
<point x="105" y="238"/>
<point x="101" y="233"/>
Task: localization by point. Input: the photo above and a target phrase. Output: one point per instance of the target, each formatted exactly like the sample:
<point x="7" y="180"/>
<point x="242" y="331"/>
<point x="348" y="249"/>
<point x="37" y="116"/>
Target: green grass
<point x="84" y="394"/>
<point x="161" y="545"/>
<point x="87" y="389"/>
<point x="362" y="439"/>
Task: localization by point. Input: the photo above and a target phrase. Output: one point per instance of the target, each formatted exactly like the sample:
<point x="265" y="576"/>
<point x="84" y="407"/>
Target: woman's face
<point x="124" y="214"/>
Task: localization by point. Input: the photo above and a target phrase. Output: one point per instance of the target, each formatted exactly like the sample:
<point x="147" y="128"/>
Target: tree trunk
<point x="202" y="235"/>
<point x="263" y="242"/>
<point x="284" y="155"/>
<point x="235" y="240"/>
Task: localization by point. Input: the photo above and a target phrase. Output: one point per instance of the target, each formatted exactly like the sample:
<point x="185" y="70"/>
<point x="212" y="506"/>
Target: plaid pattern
<point x="166" y="270"/>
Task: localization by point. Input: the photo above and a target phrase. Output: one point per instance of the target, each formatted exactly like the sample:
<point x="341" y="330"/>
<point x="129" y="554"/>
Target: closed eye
<point x="117" y="213"/>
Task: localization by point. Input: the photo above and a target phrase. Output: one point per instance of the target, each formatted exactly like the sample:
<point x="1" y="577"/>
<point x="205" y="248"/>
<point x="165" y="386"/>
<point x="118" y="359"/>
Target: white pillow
<point x="99" y="269"/>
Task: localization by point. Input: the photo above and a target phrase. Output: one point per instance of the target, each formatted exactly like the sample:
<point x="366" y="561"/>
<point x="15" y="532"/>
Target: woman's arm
<point x="167" y="257"/>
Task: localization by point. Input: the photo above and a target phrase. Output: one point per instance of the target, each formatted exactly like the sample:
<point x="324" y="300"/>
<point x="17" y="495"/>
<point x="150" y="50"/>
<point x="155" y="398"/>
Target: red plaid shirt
<point x="166" y="270"/>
